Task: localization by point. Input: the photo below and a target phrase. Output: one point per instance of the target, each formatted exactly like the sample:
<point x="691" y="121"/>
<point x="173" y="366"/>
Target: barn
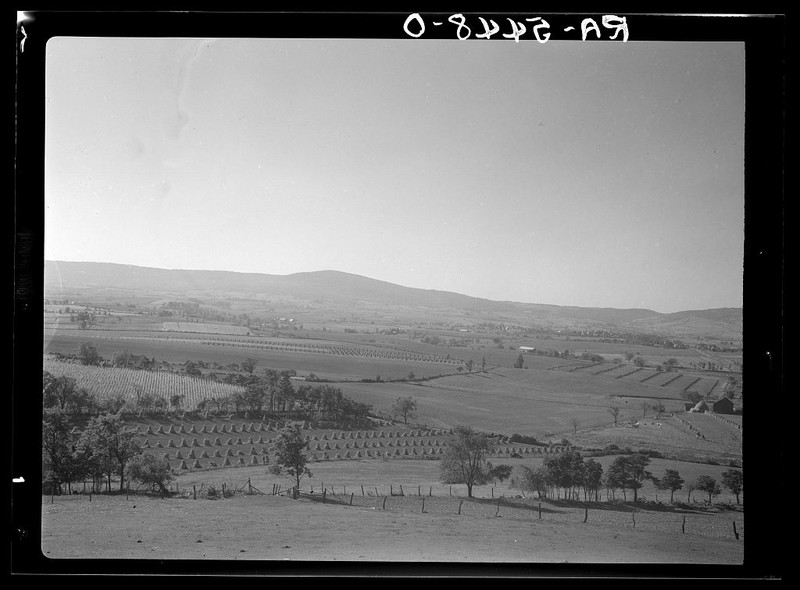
<point x="722" y="406"/>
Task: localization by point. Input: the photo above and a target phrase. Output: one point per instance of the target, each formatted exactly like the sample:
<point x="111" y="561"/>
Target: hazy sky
<point x="592" y="174"/>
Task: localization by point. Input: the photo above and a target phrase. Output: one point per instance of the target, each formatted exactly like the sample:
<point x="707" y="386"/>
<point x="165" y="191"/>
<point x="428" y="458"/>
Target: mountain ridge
<point x="343" y="287"/>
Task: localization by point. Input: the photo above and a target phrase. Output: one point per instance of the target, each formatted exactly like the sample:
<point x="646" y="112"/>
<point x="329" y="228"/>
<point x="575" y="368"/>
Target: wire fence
<point x="646" y="517"/>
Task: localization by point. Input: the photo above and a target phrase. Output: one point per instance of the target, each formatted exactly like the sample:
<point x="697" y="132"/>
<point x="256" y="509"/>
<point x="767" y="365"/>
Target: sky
<point x="567" y="173"/>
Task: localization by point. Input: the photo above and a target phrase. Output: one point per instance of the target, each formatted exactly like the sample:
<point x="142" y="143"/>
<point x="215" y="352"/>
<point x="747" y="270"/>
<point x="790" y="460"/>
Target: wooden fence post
<point x="498" y="509"/>
<point x="324" y="491"/>
<point x="384" y="503"/>
<point x="401" y="491"/>
<point x="194" y="492"/>
<point x="362" y="489"/>
<point x="633" y="516"/>
<point x="460" y="502"/>
<point x="585" y="513"/>
<point x="351" y="499"/>
<point x="430" y="491"/>
<point x="419" y="490"/>
<point x="735" y="533"/>
<point x="540" y="510"/>
<point x="683" y="525"/>
<point x="423" y="509"/>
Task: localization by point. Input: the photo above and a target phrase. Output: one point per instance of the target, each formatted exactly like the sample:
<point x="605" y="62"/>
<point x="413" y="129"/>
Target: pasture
<point x="273" y="528"/>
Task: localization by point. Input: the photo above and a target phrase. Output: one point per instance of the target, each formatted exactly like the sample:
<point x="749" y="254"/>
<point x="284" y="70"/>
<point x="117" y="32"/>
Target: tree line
<point x="569" y="475"/>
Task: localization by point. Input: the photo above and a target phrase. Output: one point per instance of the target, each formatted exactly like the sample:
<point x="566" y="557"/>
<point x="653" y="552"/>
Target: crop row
<point x="337" y="351"/>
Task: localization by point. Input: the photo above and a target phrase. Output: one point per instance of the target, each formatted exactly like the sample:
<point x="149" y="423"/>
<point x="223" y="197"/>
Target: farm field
<point x="325" y="366"/>
<point x="104" y="382"/>
<point x="275" y="528"/>
<point x="214" y="445"/>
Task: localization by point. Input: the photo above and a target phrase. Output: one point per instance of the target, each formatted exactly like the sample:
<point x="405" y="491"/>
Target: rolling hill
<point x="342" y="288"/>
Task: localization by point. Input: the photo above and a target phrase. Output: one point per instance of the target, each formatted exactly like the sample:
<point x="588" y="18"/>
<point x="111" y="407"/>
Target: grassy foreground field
<point x="256" y="527"/>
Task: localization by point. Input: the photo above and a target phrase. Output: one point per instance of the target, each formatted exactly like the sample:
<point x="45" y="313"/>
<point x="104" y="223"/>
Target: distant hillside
<point x="349" y="289"/>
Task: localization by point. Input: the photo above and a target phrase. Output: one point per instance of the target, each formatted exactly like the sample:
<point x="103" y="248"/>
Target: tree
<point x="405" y="407"/>
<point x="592" y="477"/>
<point x="671" y="481"/>
<point x="709" y="485"/>
<point x="614" y="411"/>
<point x="566" y="471"/>
<point x="63" y="393"/>
<point x="290" y="455"/>
<point x="249" y="365"/>
<point x="192" y="370"/>
<point x="670" y="364"/>
<point x="499" y="473"/>
<point x="57" y="444"/>
<point x="176" y="401"/>
<point x="530" y="480"/>
<point x="645" y="407"/>
<point x="122" y="359"/>
<point x="520" y="362"/>
<point x="115" y="448"/>
<point x="151" y="471"/>
<point x="469" y="364"/>
<point x="464" y="458"/>
<point x="733" y="479"/>
<point x="574" y="422"/>
<point x="88" y="355"/>
<point x="639" y="362"/>
<point x="630" y="473"/>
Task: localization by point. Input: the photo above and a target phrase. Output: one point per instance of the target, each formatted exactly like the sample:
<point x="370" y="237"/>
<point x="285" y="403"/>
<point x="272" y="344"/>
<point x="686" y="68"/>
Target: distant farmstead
<point x="527" y="349"/>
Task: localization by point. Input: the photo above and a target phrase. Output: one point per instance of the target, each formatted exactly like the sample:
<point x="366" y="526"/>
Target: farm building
<point x="527" y="349"/>
<point x="723" y="406"/>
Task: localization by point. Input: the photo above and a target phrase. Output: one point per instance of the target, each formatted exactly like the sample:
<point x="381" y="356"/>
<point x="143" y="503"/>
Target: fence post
<point x="430" y="491"/>
<point x="401" y="491"/>
<point x="391" y="490"/>
<point x="419" y="490"/>
<point x="423" y="509"/>
<point x="324" y="491"/>
<point x="194" y="492"/>
<point x="585" y="513"/>
<point x="498" y="509"/>
<point x="735" y="533"/>
<point x="362" y="489"/>
<point x="460" y="502"/>
<point x="376" y="492"/>
<point x="540" y="511"/>
<point x="492" y="491"/>
<point x="249" y="487"/>
<point x="633" y="516"/>
<point x="683" y="525"/>
<point x="384" y="503"/>
<point x="351" y="499"/>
